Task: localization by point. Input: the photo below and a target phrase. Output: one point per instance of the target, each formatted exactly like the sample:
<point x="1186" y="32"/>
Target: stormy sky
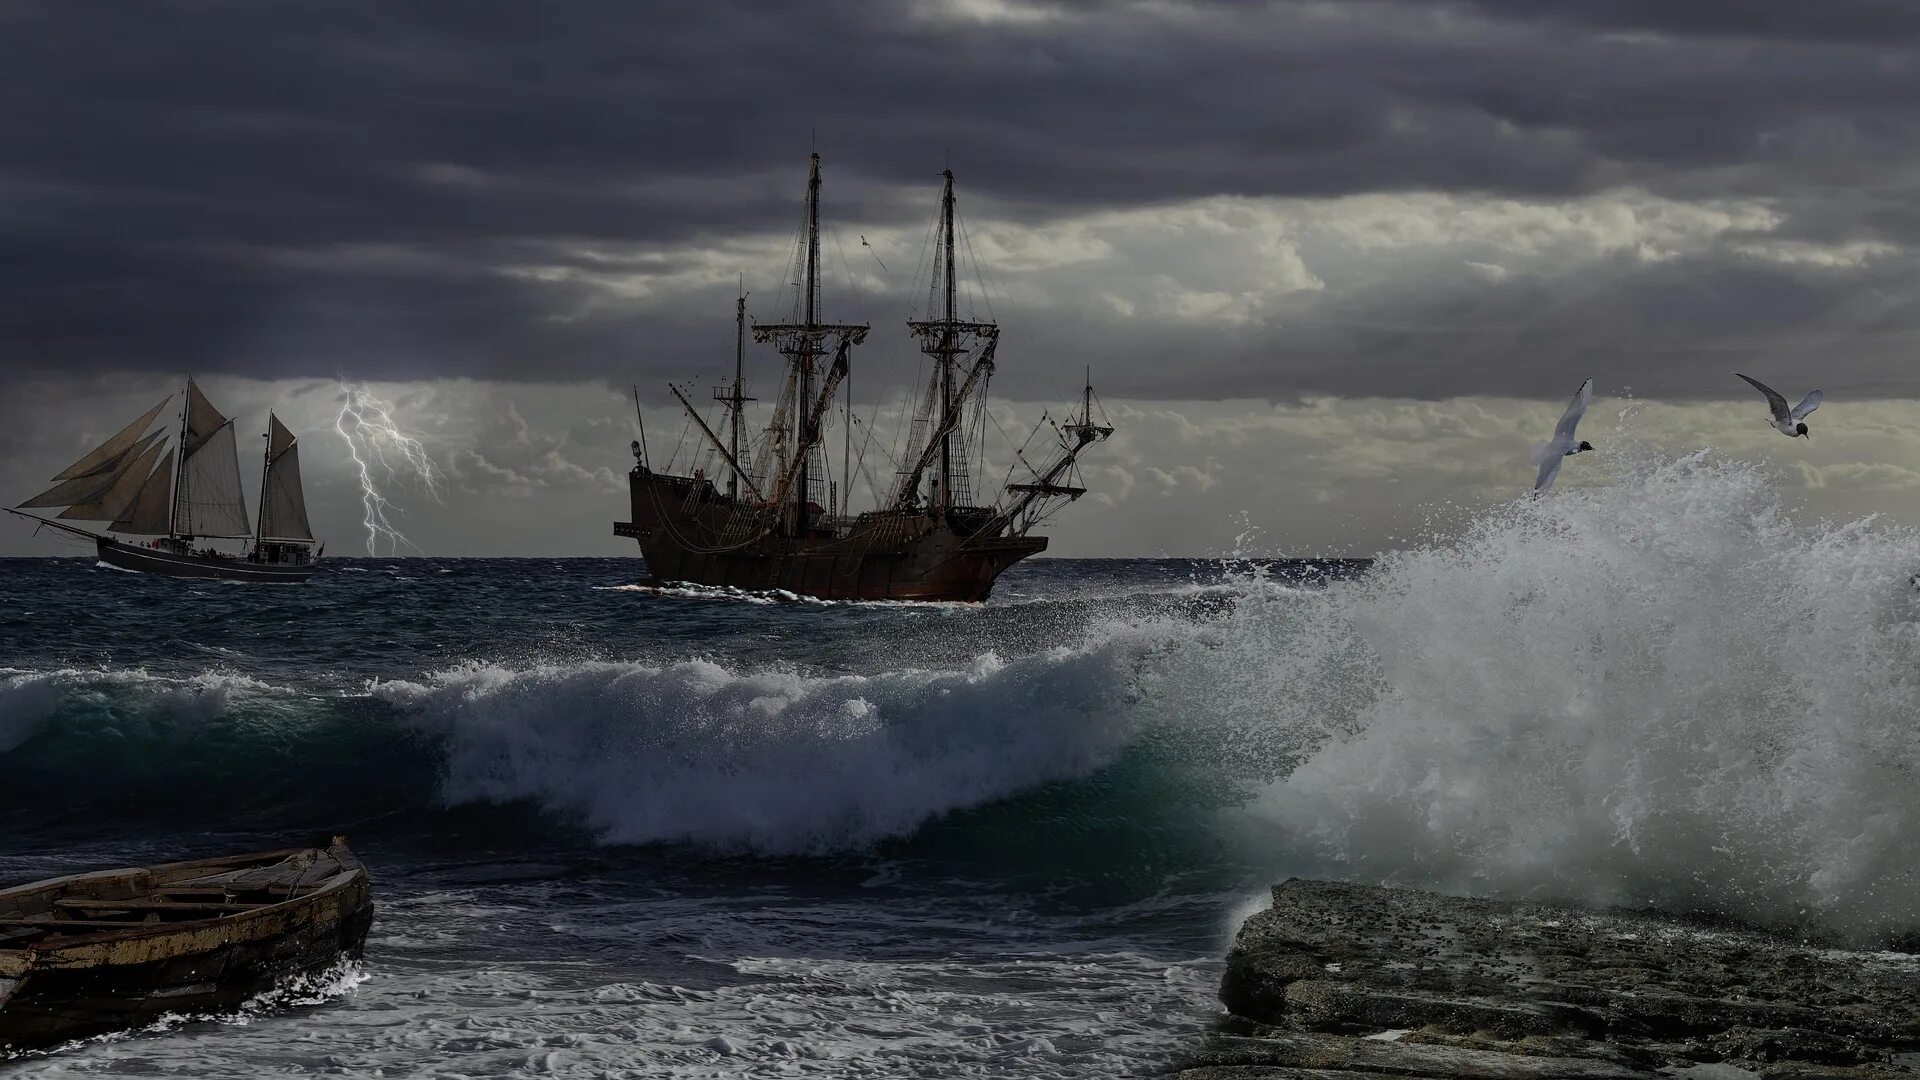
<point x="1269" y="221"/>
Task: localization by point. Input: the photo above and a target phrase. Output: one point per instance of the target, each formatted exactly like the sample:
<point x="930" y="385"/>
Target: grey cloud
<point x="290" y="189"/>
<point x="1876" y="21"/>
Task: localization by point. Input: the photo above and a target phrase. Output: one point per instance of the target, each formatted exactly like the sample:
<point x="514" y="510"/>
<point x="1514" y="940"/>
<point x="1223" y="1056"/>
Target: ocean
<point x="625" y="832"/>
<point x="617" y="831"/>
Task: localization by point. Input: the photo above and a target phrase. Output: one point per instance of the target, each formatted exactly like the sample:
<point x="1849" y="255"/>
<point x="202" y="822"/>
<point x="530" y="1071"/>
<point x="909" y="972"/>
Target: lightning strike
<point x="377" y="443"/>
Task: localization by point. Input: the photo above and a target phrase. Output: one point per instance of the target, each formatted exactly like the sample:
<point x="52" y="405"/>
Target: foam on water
<point x="771" y="760"/>
<point x="30" y="699"/>
<point x="1663" y="691"/>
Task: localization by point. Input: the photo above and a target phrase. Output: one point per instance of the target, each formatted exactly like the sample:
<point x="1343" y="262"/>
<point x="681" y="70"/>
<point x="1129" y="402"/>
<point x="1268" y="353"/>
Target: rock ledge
<point x="1349" y="982"/>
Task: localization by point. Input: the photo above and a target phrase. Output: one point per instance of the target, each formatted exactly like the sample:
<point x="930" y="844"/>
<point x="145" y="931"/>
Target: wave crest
<point x="1662" y="691"/>
<point x="772" y="761"/>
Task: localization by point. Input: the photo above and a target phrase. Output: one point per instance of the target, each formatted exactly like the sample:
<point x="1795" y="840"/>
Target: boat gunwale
<point x="350" y="872"/>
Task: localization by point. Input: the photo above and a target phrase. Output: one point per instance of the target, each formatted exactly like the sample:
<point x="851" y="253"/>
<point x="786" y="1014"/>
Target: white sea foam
<point x="774" y="760"/>
<point x="28" y="699"/>
<point x="687" y="590"/>
<point x="1664" y="690"/>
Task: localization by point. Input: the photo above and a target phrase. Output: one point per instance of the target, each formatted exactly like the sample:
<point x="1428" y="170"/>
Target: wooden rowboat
<point x="93" y="953"/>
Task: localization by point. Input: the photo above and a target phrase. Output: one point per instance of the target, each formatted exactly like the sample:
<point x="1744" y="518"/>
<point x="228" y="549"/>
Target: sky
<point x="1334" y="265"/>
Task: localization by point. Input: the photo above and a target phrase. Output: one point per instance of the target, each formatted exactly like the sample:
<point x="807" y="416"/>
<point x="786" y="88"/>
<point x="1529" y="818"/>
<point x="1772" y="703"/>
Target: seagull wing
<point x="1576" y="409"/>
<point x="1807" y="405"/>
<point x="1774" y="401"/>
<point x="1549" y="469"/>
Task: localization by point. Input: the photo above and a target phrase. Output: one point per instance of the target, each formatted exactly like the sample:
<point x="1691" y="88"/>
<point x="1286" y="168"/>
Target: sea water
<point x="625" y="831"/>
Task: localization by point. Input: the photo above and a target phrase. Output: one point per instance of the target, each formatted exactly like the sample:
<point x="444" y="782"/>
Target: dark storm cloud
<point x="306" y="188"/>
<point x="1875" y="21"/>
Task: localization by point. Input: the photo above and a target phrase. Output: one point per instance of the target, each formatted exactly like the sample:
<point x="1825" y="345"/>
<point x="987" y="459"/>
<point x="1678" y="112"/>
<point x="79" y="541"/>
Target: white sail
<point x="203" y="420"/>
<point x="104" y="457"/>
<point x="119" y="495"/>
<point x="87" y="487"/>
<point x="283" y="505"/>
<point x="151" y="508"/>
<point x="209" y="502"/>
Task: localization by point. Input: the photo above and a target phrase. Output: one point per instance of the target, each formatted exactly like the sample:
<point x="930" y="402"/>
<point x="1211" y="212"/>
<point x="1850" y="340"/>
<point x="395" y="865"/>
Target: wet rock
<point x="1343" y="982"/>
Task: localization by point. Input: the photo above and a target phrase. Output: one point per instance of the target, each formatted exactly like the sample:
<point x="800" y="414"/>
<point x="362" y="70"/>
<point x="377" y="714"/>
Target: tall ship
<point x="186" y="499"/>
<point x="778" y="517"/>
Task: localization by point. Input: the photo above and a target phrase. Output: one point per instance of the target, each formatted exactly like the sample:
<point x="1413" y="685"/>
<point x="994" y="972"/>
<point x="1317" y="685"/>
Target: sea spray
<point x="1663" y="690"/>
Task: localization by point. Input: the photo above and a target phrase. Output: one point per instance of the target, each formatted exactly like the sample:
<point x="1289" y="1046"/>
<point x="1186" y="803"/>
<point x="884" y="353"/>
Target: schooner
<point x="782" y="522"/>
<point x="191" y="494"/>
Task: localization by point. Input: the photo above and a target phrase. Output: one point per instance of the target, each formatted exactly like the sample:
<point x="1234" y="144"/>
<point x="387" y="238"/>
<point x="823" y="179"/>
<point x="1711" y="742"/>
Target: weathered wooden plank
<point x="184" y="906"/>
<point x="216" y="890"/>
<point x="77" y="926"/>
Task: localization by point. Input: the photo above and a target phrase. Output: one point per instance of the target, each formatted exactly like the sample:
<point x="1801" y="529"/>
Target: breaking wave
<point x="1664" y="690"/>
<point x="723" y="756"/>
<point x="773" y="761"/>
<point x="1660" y="691"/>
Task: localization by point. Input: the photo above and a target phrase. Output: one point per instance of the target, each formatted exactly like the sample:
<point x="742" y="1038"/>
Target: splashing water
<point x="374" y="439"/>
<point x="1661" y="691"/>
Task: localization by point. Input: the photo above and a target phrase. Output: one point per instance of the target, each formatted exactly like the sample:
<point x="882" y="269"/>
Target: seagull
<point x="1550" y="454"/>
<point x="1787" y="421"/>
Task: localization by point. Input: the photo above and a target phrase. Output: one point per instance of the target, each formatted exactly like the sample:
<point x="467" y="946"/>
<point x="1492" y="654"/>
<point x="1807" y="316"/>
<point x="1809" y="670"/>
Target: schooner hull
<point x="174" y="564"/>
<point x="888" y="557"/>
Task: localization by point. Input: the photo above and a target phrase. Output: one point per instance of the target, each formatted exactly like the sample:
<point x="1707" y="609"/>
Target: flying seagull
<point x="1548" y="455"/>
<point x="1787" y="421"/>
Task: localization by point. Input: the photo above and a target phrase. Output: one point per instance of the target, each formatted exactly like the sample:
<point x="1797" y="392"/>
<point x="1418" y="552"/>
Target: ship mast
<point x="946" y="339"/>
<point x="266" y="469"/>
<point x="733" y="396"/>
<point x="803" y="359"/>
<point x="801" y="343"/>
<point x="945" y="500"/>
<point x="180" y="468"/>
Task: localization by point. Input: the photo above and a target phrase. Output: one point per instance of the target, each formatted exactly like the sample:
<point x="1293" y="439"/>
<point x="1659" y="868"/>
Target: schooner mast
<point x="803" y="343"/>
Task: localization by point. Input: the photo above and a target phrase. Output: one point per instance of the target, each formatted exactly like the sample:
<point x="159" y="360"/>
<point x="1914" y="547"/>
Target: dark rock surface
<point x="1350" y="982"/>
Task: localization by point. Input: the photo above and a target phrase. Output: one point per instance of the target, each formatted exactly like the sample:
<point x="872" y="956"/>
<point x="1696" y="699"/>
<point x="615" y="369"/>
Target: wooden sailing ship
<point x="94" y="953"/>
<point x="191" y="497"/>
<point x="781" y="523"/>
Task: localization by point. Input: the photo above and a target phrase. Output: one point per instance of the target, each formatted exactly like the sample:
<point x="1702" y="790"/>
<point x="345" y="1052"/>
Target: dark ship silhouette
<point x="929" y="537"/>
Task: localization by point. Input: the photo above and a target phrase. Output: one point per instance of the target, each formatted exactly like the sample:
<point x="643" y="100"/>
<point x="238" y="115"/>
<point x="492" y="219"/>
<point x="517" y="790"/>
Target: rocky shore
<point x="1343" y="982"/>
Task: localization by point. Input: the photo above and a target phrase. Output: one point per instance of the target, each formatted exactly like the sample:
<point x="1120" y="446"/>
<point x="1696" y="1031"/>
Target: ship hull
<point x="682" y="527"/>
<point x="175" y="564"/>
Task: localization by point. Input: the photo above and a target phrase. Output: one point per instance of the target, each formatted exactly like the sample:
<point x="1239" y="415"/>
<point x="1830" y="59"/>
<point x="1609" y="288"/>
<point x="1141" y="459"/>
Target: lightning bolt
<point x="376" y="442"/>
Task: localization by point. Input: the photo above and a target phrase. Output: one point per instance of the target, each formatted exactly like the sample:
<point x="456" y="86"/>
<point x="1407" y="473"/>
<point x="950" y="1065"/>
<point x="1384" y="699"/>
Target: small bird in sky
<point x="870" y="251"/>
<point x="1550" y="454"/>
<point x="1787" y="421"/>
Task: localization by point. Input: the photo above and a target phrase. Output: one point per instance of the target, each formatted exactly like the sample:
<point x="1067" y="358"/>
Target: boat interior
<point x="64" y="910"/>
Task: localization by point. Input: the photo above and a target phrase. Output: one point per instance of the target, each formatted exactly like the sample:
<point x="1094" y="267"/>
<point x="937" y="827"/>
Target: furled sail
<point x="112" y="452"/>
<point x="153" y="506"/>
<point x="283" y="505"/>
<point x="209" y="500"/>
<point x="87" y="487"/>
<point x="119" y="495"/>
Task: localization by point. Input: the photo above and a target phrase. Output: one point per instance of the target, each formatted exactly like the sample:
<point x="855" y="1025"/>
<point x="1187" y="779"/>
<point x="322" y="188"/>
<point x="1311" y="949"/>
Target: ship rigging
<point x="783" y="521"/>
<point x="193" y="493"/>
